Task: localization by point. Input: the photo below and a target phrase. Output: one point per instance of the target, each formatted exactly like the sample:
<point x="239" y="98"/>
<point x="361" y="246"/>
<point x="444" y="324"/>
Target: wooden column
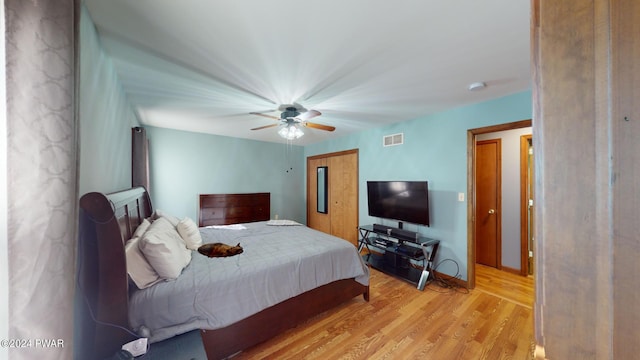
<point x="625" y="177"/>
<point x="585" y="71"/>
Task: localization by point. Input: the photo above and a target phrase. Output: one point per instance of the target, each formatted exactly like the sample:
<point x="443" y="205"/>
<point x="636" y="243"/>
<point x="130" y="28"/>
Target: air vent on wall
<point x="391" y="140"/>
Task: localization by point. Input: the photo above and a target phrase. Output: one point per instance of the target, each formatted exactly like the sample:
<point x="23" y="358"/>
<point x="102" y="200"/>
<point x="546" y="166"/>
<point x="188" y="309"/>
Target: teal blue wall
<point x="435" y="149"/>
<point x="106" y="118"/>
<point x="185" y="164"/>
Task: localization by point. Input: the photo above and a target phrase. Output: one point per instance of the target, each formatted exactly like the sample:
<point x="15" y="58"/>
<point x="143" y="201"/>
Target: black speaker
<point x="404" y="235"/>
<point x="382" y="228"/>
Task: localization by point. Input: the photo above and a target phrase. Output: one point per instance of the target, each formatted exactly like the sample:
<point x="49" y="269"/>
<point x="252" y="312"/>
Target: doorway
<point x="472" y="218"/>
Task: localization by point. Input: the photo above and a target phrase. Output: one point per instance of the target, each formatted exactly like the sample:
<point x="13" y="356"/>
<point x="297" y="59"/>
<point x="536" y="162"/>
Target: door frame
<point x="471" y="191"/>
<point x="526" y="183"/>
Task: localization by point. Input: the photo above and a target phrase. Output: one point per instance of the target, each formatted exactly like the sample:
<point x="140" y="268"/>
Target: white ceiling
<point x="203" y="65"/>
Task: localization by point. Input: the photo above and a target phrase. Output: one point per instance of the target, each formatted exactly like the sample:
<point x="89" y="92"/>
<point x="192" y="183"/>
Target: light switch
<point x="461" y="197"/>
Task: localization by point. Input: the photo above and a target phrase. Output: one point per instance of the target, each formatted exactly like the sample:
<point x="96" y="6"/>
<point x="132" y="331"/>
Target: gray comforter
<point x="278" y="262"/>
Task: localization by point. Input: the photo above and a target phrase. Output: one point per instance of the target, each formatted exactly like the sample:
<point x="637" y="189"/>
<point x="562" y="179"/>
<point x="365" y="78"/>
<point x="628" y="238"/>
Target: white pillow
<point x="190" y="233"/>
<point x="283" y="222"/>
<point x="141" y="229"/>
<point x="164" y="249"/>
<point x="163" y="214"/>
<point x="138" y="268"/>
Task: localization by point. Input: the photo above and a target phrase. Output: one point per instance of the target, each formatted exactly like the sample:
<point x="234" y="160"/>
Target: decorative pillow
<point x="164" y="249"/>
<point x="163" y="214"/>
<point x="190" y="233"/>
<point x="140" y="271"/>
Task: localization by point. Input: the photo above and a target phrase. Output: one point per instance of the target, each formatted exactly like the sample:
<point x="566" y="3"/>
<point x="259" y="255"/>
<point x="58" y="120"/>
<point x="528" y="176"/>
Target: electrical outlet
<point x="461" y="197"/>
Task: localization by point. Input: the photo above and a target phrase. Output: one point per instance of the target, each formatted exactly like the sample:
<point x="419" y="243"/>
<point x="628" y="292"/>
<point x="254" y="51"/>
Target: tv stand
<point x="399" y="247"/>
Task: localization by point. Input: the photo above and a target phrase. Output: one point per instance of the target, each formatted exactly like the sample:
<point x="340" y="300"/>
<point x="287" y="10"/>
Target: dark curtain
<point x="139" y="158"/>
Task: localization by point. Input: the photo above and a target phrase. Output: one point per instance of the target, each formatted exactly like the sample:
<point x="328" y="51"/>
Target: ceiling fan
<point x="292" y="118"/>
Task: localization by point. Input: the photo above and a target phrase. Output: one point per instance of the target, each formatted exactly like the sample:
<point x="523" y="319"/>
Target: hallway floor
<point x="516" y="288"/>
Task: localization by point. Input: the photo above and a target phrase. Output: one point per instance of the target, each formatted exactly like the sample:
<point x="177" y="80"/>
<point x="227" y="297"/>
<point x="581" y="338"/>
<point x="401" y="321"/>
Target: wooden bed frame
<point x="108" y="221"/>
<point x="225" y="209"/>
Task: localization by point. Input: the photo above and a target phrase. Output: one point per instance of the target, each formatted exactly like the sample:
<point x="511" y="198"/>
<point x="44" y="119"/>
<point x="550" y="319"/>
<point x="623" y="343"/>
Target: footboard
<point x="266" y="324"/>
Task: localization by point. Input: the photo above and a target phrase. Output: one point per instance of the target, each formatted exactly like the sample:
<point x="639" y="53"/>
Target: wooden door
<point x="487" y="231"/>
<point x="343" y="196"/>
<point x="315" y="219"/>
<point x="341" y="219"/>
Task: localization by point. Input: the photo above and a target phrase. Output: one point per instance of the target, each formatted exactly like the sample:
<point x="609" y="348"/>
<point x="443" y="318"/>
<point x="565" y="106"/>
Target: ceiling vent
<point x="391" y="140"/>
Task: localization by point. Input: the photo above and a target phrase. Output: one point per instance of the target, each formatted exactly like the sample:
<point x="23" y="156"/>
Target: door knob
<point x="491" y="211"/>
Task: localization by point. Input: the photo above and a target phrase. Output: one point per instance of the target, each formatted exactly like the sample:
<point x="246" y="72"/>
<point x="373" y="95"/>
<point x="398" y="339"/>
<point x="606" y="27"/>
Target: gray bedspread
<point x="278" y="262"/>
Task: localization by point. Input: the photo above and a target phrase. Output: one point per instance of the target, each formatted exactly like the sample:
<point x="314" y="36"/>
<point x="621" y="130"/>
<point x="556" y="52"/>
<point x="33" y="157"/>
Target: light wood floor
<point x="493" y="321"/>
<point x="511" y="287"/>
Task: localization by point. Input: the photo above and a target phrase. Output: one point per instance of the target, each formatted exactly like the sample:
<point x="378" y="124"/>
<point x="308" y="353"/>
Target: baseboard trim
<point x="512" y="270"/>
<point x="458" y="282"/>
<point x="539" y="353"/>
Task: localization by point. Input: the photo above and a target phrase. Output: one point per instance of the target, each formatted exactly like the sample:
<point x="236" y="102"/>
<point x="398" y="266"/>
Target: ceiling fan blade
<point x="309" y="114"/>
<point x="265" y="127"/>
<point x="319" y="126"/>
<point x="265" y="115"/>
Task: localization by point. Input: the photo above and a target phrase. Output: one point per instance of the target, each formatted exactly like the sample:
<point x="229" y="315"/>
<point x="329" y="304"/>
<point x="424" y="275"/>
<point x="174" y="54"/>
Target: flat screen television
<point x="399" y="200"/>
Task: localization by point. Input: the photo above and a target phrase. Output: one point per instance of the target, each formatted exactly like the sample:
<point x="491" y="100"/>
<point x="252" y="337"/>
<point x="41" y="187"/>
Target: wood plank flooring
<point x="512" y="287"/>
<point x="493" y="321"/>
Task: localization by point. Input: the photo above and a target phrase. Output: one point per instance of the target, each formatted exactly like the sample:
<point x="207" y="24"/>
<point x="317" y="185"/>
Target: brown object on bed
<point x="219" y="250"/>
<point x="108" y="221"/>
<point x="226" y="209"/>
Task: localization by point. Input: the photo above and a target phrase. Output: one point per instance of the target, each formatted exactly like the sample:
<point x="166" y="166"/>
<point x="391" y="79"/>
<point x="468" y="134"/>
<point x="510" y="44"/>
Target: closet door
<point x="316" y="220"/>
<point x="341" y="217"/>
<point x="343" y="196"/>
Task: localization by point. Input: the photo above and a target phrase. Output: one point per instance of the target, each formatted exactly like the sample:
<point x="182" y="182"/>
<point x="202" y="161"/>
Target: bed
<point x="108" y="221"/>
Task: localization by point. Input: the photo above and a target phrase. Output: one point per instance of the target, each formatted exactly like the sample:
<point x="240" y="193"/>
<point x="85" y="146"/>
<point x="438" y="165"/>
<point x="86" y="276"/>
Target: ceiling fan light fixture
<point x="290" y="132"/>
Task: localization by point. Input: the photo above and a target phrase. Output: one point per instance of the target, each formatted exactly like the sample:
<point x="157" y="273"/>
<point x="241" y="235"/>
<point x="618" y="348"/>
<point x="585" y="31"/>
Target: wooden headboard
<point x="106" y="223"/>
<point x="225" y="209"/>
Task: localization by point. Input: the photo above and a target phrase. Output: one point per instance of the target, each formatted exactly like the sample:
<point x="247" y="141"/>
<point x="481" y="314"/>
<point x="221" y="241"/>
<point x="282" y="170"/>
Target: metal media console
<point x="399" y="248"/>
